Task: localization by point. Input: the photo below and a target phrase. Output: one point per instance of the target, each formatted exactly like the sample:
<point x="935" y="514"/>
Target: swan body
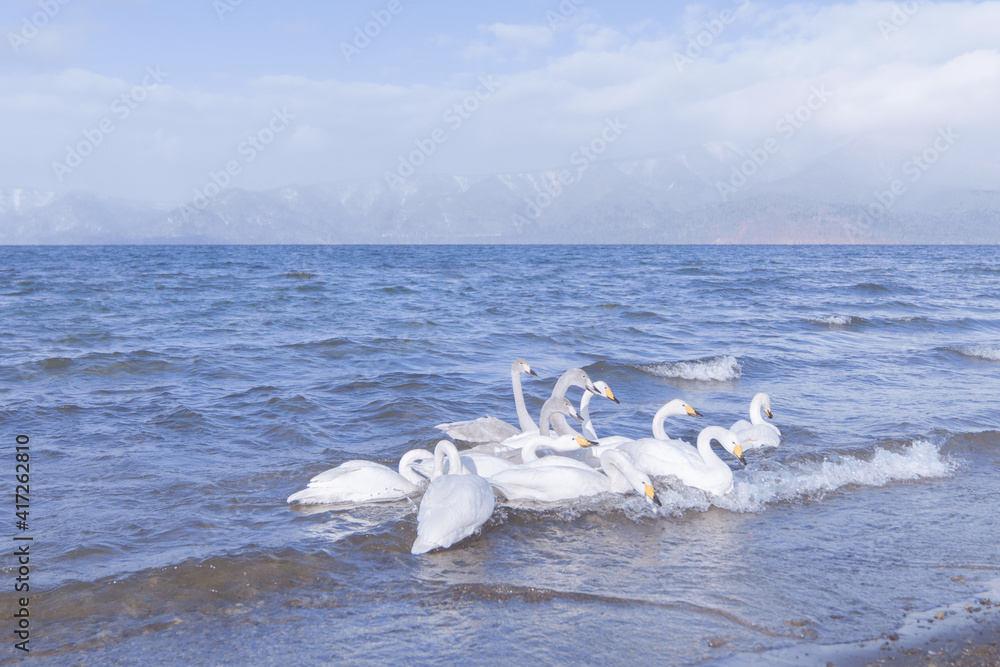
<point x="698" y="467"/>
<point x="757" y="433"/>
<point x="455" y="504"/>
<point x="491" y="429"/>
<point x="553" y="483"/>
<point x="357" y="482"/>
<point x="588" y="426"/>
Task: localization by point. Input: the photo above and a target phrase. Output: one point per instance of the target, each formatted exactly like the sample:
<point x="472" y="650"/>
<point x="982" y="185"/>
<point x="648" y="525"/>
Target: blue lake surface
<point x="176" y="396"/>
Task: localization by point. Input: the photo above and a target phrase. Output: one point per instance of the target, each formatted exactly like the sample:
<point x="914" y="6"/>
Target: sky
<point x="149" y="99"/>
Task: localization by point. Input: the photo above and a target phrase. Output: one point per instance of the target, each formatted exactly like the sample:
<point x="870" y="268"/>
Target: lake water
<point x="176" y="396"/>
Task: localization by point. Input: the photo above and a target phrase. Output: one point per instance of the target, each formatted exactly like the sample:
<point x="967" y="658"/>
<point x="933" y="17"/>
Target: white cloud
<point x="941" y="68"/>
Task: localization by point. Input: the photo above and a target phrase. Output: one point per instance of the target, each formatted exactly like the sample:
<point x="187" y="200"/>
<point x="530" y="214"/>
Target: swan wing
<point x="484" y="429"/>
<point x="549" y="483"/>
<point x="356" y="485"/>
<point x="741" y="425"/>
<point x="760" y="435"/>
<point x="453" y="507"/>
<point x="661" y="457"/>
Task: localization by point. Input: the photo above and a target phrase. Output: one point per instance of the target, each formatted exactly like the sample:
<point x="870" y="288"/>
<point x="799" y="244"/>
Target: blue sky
<point x="716" y="74"/>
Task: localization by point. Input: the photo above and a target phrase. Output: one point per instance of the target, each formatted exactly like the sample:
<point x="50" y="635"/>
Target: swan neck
<point x="530" y="451"/>
<point x="658" y="421"/>
<point x="755" y="406"/>
<point x="406" y="465"/>
<point x="523" y="417"/>
<point x="454" y="460"/>
<point x="705" y="439"/>
<point x="614" y="465"/>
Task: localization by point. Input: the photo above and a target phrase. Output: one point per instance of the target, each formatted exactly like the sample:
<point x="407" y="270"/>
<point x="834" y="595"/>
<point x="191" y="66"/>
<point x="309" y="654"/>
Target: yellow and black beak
<point x="583" y="442"/>
<point x="692" y="412"/>
<point x="610" y="394"/>
<point x="651" y="495"/>
<point x="738" y="453"/>
<point x="768" y="413"/>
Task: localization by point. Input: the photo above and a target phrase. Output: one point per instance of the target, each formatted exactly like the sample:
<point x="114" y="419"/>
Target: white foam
<point x="808" y="479"/>
<point x="834" y="320"/>
<point x="713" y="369"/>
<point x="987" y="352"/>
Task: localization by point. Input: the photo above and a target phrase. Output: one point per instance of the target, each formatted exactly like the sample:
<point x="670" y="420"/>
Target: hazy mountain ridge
<point x="656" y="199"/>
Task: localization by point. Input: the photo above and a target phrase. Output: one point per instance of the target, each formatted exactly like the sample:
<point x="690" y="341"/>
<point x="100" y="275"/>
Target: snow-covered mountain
<point x="696" y="196"/>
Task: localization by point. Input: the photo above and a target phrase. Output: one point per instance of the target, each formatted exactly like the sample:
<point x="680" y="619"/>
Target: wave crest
<point x="983" y="351"/>
<point x="810" y="479"/>
<point x="712" y="369"/>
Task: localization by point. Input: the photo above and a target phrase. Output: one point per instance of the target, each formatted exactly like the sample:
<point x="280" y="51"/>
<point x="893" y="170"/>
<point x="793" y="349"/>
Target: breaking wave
<point x="711" y="369"/>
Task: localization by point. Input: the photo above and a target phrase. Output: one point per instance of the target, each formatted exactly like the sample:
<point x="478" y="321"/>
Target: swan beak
<point x="651" y="495"/>
<point x="531" y="373"/>
<point x="593" y="390"/>
<point x="768" y="413"/>
<point x="738" y="453"/>
<point x="583" y="442"/>
<point x="610" y="394"/>
<point x="692" y="412"/>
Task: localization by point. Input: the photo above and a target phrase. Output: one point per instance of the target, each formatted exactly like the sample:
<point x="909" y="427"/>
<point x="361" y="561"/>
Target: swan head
<point x="678" y="408"/>
<point x="729" y="440"/>
<point x="605" y="391"/>
<point x="764" y="403"/>
<point x="562" y="405"/>
<point x="738" y="453"/>
<point x="521" y="366"/>
<point x="651" y="495"/>
<point x="577" y="377"/>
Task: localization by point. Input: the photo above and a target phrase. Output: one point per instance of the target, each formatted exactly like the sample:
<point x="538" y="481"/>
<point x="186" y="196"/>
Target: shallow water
<point x="175" y="396"/>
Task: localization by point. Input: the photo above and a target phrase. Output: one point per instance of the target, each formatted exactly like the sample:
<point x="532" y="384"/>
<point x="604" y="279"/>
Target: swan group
<point x="458" y="489"/>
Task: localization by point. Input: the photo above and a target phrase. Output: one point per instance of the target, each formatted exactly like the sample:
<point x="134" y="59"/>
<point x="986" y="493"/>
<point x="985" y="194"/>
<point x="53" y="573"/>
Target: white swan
<point x="700" y="468"/>
<point x="454" y="505"/>
<point x="552" y="483"/>
<point x="364" y="482"/>
<point x="491" y="429"/>
<point x="674" y="408"/>
<point x="588" y="426"/>
<point x="757" y="433"/>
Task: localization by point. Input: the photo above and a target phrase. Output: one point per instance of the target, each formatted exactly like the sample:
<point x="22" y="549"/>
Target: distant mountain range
<point x="698" y="196"/>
